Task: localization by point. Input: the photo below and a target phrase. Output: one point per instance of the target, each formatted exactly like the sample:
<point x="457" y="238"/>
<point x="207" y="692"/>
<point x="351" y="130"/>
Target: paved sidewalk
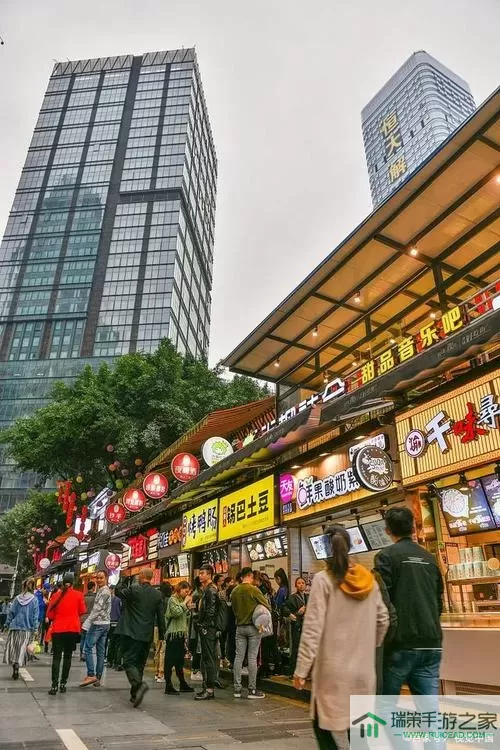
<point x="103" y="718"/>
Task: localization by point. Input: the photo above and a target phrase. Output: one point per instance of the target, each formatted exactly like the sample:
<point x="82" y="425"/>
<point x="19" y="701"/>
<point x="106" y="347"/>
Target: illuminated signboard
<point x="452" y="432"/>
<point x="247" y="510"/>
<point x="393" y="145"/>
<point x="199" y="525"/>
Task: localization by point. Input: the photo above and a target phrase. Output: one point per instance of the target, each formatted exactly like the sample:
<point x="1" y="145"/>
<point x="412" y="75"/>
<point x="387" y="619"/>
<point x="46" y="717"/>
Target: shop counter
<point x="471" y="654"/>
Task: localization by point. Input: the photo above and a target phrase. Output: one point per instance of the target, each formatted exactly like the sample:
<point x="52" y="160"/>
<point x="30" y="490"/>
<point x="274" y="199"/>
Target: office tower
<point x="109" y="244"/>
<point x="416" y="110"/>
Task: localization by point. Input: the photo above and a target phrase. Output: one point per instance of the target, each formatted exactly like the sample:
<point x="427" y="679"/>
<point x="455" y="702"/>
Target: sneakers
<point x="196" y="677"/>
<point x="141" y="692"/>
<point x="256" y="694"/>
<point x="88" y="681"/>
<point x="237" y="693"/>
<point x="62" y="687"/>
<point x="53" y="690"/>
<point x="159" y="679"/>
<point x="97" y="683"/>
<point x="206" y="695"/>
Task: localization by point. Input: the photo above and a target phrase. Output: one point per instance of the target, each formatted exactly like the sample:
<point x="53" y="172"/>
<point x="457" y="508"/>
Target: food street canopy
<point x="430" y="246"/>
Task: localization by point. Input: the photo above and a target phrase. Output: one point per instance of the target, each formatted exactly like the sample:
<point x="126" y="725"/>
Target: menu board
<point x="321" y="546"/>
<point x="377" y="536"/>
<point x="217" y="558"/>
<point x="491" y="486"/>
<point x="358" y="543"/>
<point x="267" y="549"/>
<point x="466" y="508"/>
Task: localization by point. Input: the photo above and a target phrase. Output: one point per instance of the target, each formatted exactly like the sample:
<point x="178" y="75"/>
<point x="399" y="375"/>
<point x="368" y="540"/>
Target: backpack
<point x="221" y="615"/>
<point x="263" y="620"/>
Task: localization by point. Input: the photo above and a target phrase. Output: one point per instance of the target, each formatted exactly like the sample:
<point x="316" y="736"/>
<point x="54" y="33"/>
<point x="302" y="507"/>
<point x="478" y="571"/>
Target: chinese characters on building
<point x="310" y="491"/>
<point x="247" y="510"/>
<point x="199" y="526"/>
<point x="393" y="144"/>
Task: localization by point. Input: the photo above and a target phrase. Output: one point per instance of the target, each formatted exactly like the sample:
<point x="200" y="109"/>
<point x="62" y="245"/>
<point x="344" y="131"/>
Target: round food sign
<point x="373" y="468"/>
<point x="115" y="513"/>
<point x="155" y="486"/>
<point x="112" y="561"/>
<point x="287" y="488"/>
<point x="44" y="563"/>
<point x="71" y="542"/>
<point x="215" y="449"/>
<point x="134" y="500"/>
<point x="185" y="467"/>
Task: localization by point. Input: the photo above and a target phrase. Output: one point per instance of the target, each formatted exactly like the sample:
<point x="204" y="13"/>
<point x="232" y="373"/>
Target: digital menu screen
<point x="465" y="508"/>
<point x="358" y="543"/>
<point x="321" y="546"/>
<point x="377" y="536"/>
<point x="491" y="486"/>
<point x="267" y="549"/>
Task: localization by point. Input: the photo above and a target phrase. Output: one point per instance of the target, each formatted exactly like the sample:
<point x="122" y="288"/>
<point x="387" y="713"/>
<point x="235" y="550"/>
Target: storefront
<point x="141" y="551"/>
<point x="351" y="484"/>
<point x="449" y="450"/>
<point x="175" y="564"/>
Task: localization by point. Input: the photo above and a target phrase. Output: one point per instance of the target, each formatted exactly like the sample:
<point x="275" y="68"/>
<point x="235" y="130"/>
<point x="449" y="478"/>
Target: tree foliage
<point x="139" y="406"/>
<point x="39" y="510"/>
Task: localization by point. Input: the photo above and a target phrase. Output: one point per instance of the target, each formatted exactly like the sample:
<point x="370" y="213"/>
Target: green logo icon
<point x="371" y="726"/>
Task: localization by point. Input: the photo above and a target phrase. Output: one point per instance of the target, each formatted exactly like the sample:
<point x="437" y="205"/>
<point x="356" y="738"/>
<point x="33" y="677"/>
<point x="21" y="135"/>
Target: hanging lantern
<point x="138" y="475"/>
<point x="83" y="496"/>
<point x="79" y="479"/>
<point x="119" y="484"/>
<point x="125" y="472"/>
<point x="111" y="468"/>
<point x="138" y="462"/>
<point x="109" y="448"/>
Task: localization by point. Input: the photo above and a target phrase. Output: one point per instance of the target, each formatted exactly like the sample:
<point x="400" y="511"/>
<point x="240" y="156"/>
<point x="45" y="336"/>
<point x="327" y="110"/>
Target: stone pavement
<point x="103" y="718"/>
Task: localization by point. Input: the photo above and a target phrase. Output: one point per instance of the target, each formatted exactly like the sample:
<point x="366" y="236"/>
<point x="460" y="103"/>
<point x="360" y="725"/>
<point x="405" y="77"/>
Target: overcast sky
<point x="285" y="82"/>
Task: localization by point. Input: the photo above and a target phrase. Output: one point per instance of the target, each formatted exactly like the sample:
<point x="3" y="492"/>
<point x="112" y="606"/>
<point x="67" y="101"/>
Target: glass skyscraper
<point x="416" y="110"/>
<point x="109" y="244"/>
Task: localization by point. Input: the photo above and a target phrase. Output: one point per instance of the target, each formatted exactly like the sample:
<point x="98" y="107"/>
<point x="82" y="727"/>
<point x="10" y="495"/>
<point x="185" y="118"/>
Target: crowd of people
<point x="356" y="632"/>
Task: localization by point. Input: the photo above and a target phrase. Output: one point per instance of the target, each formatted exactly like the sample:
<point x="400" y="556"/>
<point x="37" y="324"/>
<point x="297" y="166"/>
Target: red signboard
<point x="185" y="467"/>
<point x="115" y="513"/>
<point x="134" y="500"/>
<point x="155" y="486"/>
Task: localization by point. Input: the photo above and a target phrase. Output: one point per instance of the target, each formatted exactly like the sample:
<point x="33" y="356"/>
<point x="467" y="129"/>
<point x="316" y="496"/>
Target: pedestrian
<point x="3" y="615"/>
<point x="280" y="624"/>
<point x="166" y="591"/>
<point x="22" y="624"/>
<point x="113" y="654"/>
<point x="89" y="598"/>
<point x="41" y="597"/>
<point x="345" y="621"/>
<point x="143" y="608"/>
<point x="96" y="627"/>
<point x="65" y="609"/>
<point x="270" y="655"/>
<point x="176" y="623"/>
<point x="415" y="587"/>
<point x="244" y="599"/>
<point x="207" y="630"/>
<point x="194" y="638"/>
<point x="295" y="609"/>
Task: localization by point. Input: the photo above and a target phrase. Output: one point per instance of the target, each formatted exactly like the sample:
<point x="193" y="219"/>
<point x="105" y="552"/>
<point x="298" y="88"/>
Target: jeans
<point x="83" y="636"/>
<point x="417" y="668"/>
<point x="135" y="655"/>
<point x="96" y="636"/>
<point x="209" y="658"/>
<point x="246" y="636"/>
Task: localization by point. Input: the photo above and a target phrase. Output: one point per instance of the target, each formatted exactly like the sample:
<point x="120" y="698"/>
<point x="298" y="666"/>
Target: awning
<point x="458" y="347"/>
<point x="259" y="453"/>
<point x="431" y="245"/>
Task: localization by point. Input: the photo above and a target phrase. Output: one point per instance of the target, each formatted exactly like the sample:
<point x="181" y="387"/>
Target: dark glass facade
<point x="109" y="244"/>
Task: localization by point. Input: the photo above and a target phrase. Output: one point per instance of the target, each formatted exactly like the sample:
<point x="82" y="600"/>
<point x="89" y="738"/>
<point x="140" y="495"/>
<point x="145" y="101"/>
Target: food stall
<point x="175" y="564"/>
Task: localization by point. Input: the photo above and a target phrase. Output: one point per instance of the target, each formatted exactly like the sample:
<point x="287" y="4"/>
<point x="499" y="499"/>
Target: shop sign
<point x="380" y="441"/>
<point x="94" y="559"/>
<point x="311" y="491"/>
<point x="138" y="548"/>
<point x="97" y="508"/>
<point x="287" y="488"/>
<point x="44" y="563"/>
<point x="169" y="537"/>
<point x="215" y="449"/>
<point x="152" y="537"/>
<point x="332" y="390"/>
<point x="115" y="513"/>
<point x="199" y="526"/>
<point x="373" y="468"/>
<point x="217" y="558"/>
<point x="125" y="558"/>
<point x="112" y="561"/>
<point x="247" y="510"/>
<point x="185" y="467"/>
<point x="155" y="486"/>
<point x="134" y="500"/>
<point x="451" y="432"/>
<point x="71" y="542"/>
<point x="183" y="561"/>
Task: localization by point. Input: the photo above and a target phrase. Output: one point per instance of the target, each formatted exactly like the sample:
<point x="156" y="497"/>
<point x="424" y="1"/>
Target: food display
<point x="466" y="508"/>
<point x="321" y="546"/>
<point x="267" y="549"/>
<point x="358" y="543"/>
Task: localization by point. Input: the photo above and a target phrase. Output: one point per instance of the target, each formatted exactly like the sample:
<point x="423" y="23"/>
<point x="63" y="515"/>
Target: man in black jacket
<point x="415" y="587"/>
<point x="207" y="630"/>
<point x="143" y="608"/>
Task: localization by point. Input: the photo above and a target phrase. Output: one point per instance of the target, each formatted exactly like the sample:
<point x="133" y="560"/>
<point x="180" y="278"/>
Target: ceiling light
<point x="277" y="363"/>
<point x="392" y="340"/>
<point x="357" y="298"/>
<point x="325" y="378"/>
<point x="296" y="466"/>
<point x="322" y="455"/>
<point x="414" y="251"/>
<point x="497" y="178"/>
<point x="315" y="331"/>
<point x="433" y="315"/>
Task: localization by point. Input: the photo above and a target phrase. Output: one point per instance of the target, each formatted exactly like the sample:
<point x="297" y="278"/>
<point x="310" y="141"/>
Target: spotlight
<point x="277" y="363"/>
<point x="315" y="331"/>
<point x="357" y="298"/>
<point x="392" y="340"/>
<point x="414" y="251"/>
<point x="433" y="315"/>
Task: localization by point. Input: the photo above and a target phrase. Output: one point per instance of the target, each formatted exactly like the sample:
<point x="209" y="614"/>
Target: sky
<point x="285" y="82"/>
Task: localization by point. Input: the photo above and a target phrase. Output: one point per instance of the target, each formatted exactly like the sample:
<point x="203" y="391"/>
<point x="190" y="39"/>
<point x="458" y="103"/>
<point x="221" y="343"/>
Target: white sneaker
<point x="159" y="679"/>
<point x="255" y="695"/>
<point x="196" y="677"/>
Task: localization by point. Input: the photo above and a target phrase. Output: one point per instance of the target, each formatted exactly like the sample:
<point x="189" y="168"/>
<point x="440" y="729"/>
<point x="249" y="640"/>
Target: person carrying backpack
<point x="244" y="600"/>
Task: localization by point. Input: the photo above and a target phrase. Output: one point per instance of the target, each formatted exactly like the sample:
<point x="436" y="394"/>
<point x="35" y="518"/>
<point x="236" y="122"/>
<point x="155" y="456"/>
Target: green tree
<point x="139" y="406"/>
<point x="39" y="510"/>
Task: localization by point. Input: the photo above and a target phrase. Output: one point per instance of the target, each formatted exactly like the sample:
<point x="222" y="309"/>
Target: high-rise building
<point x="416" y="110"/>
<point x="109" y="244"/>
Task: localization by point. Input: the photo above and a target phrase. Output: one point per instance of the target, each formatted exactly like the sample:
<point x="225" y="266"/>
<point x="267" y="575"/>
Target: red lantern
<point x="155" y="486"/>
<point x="115" y="513"/>
<point x="134" y="500"/>
<point x="185" y="467"/>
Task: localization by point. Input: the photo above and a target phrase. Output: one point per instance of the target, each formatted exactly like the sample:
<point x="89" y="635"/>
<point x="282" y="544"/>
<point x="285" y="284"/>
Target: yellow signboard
<point x="451" y="433"/>
<point x="247" y="510"/>
<point x="199" y="526"/>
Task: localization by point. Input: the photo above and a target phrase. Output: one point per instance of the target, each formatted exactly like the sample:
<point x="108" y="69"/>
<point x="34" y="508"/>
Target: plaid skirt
<point x="15" y="648"/>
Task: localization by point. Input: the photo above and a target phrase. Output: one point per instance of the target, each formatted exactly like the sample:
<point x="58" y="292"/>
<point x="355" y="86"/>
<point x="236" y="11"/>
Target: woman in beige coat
<point x="346" y="619"/>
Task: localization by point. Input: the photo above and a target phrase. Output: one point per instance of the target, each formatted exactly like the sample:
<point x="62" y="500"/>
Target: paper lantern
<point x="119" y="484"/>
<point x="138" y="462"/>
<point x="109" y="448"/>
<point x="79" y="479"/>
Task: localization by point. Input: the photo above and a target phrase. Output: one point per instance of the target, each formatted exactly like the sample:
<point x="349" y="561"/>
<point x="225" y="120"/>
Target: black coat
<point x="143" y="609"/>
<point x="415" y="587"/>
